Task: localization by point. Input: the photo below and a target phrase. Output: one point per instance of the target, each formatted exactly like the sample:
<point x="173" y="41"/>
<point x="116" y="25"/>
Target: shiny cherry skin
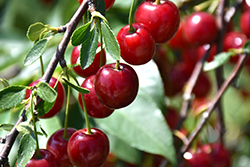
<point x="48" y="159"/>
<point x="108" y="3"/>
<point x="58" y="145"/>
<point x="245" y="23"/>
<point x="116" y="88"/>
<point x="219" y="154"/>
<point x="93" y="68"/>
<point x="200" y="28"/>
<point x="137" y="47"/>
<point x="200" y="159"/>
<point x="88" y="150"/>
<point x="58" y="105"/>
<point x="203" y="49"/>
<point x="162" y="19"/>
<point x="94" y="107"/>
<point x="178" y="41"/>
<point x="234" y="40"/>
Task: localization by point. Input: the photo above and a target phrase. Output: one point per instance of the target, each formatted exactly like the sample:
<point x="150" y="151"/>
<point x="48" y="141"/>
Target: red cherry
<point x="93" y="68"/>
<point x="245" y="23"/>
<point x="48" y="159"/>
<point x="197" y="160"/>
<point x="234" y="40"/>
<point x="162" y="19"/>
<point x="116" y="88"/>
<point x="58" y="105"/>
<point x="111" y="161"/>
<point x="108" y="3"/>
<point x="178" y="41"/>
<point x="172" y="117"/>
<point x="203" y="86"/>
<point x="246" y="5"/>
<point x="88" y="150"/>
<point x="58" y="145"/>
<point x="203" y="49"/>
<point x="94" y="107"/>
<point x="200" y="28"/>
<point x="219" y="155"/>
<point x="137" y="48"/>
<point x="190" y="56"/>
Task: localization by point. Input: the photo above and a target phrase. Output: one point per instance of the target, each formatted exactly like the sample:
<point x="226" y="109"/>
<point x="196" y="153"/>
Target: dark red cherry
<point x="88" y="150"/>
<point x="137" y="47"/>
<point x="203" y="86"/>
<point x="200" y="159"/>
<point x="116" y="88"/>
<point x="245" y="23"/>
<point x="203" y="49"/>
<point x="200" y="28"/>
<point x="94" y="107"/>
<point x="234" y="40"/>
<point x="47" y="159"/>
<point x="162" y="19"/>
<point x="93" y="68"/>
<point x="58" y="105"/>
<point x="58" y="145"/>
<point x="172" y="117"/>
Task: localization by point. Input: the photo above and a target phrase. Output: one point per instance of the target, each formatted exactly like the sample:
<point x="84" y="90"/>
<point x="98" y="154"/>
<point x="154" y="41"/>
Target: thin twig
<point x="57" y="57"/>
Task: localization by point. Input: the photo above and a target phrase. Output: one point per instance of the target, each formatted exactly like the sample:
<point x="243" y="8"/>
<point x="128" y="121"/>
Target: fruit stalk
<point x="131" y="28"/>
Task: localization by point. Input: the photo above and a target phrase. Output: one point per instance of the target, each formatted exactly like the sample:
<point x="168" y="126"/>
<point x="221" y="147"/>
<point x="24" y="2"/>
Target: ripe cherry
<point x="58" y="145"/>
<point x="111" y="161"/>
<point x="137" y="47"/>
<point x="93" y="68"/>
<point x="172" y="117"/>
<point x="94" y="107"/>
<point x="200" y="28"/>
<point x="199" y="159"/>
<point x="203" y="49"/>
<point x="245" y="23"/>
<point x="58" y="105"/>
<point x="88" y="150"/>
<point x="178" y="41"/>
<point x="219" y="155"/>
<point x="203" y="86"/>
<point x="108" y="3"/>
<point x="162" y="19"/>
<point x="116" y="87"/>
<point x="48" y="159"/>
<point x="234" y="40"/>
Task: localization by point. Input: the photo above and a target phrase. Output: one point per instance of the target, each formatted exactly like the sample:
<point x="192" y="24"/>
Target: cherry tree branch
<point x="58" y="57"/>
<point x="234" y="74"/>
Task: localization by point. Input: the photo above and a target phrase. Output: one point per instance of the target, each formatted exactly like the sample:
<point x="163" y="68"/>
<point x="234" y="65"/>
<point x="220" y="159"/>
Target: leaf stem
<point x="131" y="28"/>
<point x="41" y="65"/>
<point x="38" y="154"/>
<point x="101" y="40"/>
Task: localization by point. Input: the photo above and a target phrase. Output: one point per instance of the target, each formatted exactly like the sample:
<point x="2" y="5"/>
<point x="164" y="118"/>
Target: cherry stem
<point x="41" y="65"/>
<point x="65" y="133"/>
<point x="157" y="2"/>
<point x="101" y="40"/>
<point x="117" y="65"/>
<point x="38" y="154"/>
<point x="131" y="28"/>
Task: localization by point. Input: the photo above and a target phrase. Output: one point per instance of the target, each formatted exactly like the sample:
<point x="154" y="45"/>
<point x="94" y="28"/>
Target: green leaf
<point x="6" y="127"/>
<point x="43" y="107"/>
<point x="111" y="44"/>
<point x="219" y="60"/>
<point x="123" y="151"/>
<point x="25" y="128"/>
<point x="142" y="126"/>
<point x="35" y="30"/>
<point x="81" y="33"/>
<point x="246" y="47"/>
<point x="78" y="88"/>
<point x="46" y="92"/>
<point x="36" y="51"/>
<point x="11" y="96"/>
<point x="26" y="150"/>
<point x="4" y="82"/>
<point x="88" y="49"/>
